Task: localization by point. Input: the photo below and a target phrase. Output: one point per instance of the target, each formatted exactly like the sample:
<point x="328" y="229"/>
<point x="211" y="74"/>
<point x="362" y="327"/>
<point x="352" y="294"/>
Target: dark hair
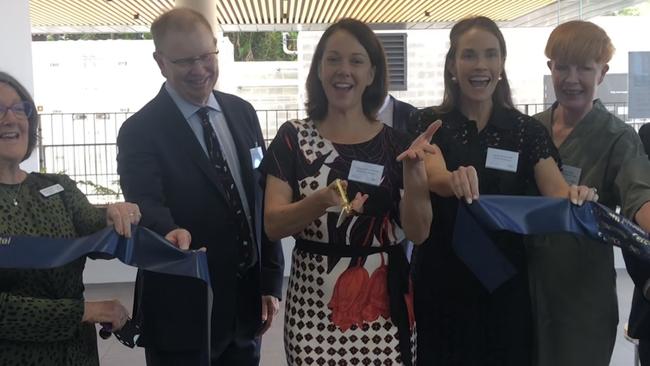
<point x="177" y="20"/>
<point x="374" y="95"/>
<point x="32" y="122"/>
<point x="501" y="96"/>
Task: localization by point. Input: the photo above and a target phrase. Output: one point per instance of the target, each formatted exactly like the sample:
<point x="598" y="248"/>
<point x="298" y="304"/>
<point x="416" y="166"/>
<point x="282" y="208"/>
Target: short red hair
<point x="578" y="42"/>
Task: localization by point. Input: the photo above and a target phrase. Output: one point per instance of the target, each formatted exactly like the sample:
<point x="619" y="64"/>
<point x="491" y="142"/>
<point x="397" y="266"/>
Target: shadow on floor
<point x="112" y="353"/>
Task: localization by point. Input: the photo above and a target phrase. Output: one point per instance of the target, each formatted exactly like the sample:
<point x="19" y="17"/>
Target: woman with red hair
<point x="572" y="278"/>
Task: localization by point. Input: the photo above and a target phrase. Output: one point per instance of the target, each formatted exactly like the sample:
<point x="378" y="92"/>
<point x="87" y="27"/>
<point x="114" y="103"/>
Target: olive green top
<point x="41" y="310"/>
<point x="572" y="278"/>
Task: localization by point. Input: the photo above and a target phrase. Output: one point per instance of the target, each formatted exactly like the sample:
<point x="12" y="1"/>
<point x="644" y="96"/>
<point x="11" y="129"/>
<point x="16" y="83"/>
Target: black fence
<point x="82" y="145"/>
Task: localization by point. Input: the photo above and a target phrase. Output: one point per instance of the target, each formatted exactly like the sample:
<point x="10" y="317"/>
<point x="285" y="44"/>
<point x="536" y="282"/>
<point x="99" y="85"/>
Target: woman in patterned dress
<point x="44" y="319"/>
<point x="348" y="298"/>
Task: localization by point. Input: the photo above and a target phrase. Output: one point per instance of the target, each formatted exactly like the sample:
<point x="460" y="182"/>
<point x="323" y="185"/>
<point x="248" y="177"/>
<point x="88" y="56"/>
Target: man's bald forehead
<point x="178" y="20"/>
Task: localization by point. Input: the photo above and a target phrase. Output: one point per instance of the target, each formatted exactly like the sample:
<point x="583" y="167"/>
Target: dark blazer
<point x="165" y="171"/>
<point x="401" y="113"/>
<point x="639" y="270"/>
<point x="639" y="320"/>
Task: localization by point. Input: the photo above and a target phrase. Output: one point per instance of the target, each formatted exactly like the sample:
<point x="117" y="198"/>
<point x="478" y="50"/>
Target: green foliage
<point x="632" y="11"/>
<point x="99" y="189"/>
<point x="261" y="46"/>
<point x="639" y="9"/>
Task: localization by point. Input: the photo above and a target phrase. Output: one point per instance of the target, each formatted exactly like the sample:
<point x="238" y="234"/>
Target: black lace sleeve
<point x="419" y="120"/>
<point x="538" y="144"/>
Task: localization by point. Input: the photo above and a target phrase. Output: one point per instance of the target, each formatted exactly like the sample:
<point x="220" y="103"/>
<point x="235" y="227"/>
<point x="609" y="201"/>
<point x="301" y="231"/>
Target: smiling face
<point x="345" y="71"/>
<point x="196" y="80"/>
<point x="477" y="65"/>
<point x="13" y="129"/>
<point x="576" y="85"/>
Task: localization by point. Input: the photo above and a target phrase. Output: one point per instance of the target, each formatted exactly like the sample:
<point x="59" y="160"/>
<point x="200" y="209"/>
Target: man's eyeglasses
<point x="22" y="110"/>
<point x="204" y="59"/>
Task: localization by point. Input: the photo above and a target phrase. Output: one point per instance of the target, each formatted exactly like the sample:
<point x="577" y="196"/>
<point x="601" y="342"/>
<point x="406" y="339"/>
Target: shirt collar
<point x="499" y="118"/>
<point x="189" y="109"/>
<point x="598" y="108"/>
<point x="385" y="104"/>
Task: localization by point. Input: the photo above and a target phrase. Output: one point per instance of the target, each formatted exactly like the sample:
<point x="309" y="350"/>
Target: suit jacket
<point x="165" y="171"/>
<point x="639" y="270"/>
<point x="401" y="113"/>
<point x="639" y="320"/>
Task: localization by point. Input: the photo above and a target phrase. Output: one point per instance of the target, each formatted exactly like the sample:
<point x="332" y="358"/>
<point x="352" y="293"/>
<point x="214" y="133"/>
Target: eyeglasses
<point x="188" y="62"/>
<point x="22" y="110"/>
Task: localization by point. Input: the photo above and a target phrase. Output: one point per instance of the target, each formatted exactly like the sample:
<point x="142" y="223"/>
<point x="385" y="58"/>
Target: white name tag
<point x="571" y="174"/>
<point x="366" y="172"/>
<point x="502" y="160"/>
<point x="256" y="156"/>
<point x="54" y="189"/>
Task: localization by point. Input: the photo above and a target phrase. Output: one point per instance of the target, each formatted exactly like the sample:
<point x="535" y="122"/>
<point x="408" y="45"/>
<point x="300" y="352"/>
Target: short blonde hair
<point x="577" y="42"/>
<point x="182" y="20"/>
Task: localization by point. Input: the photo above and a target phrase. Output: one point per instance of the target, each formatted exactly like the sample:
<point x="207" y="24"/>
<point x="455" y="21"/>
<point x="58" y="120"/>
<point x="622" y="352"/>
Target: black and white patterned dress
<point x="349" y="288"/>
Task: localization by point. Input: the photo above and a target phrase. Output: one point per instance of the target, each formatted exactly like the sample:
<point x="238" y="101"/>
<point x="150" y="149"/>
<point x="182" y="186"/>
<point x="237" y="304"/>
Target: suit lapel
<point x="185" y="140"/>
<point x="237" y="126"/>
<point x="398" y="115"/>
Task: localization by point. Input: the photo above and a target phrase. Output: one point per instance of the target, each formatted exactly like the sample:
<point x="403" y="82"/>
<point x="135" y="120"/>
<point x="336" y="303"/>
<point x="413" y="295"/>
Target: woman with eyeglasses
<point x="44" y="319"/>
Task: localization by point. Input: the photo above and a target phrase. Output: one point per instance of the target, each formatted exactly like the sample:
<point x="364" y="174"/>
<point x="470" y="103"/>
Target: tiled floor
<point x="112" y="353"/>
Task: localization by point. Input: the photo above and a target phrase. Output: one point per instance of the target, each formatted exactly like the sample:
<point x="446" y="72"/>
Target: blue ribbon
<point x="533" y="216"/>
<point x="145" y="250"/>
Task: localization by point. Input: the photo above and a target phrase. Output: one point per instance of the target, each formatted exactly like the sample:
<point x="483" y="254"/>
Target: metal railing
<point x="83" y="145"/>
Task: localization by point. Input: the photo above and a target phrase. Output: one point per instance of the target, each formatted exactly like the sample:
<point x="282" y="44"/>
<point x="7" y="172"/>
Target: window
<point x="395" y="47"/>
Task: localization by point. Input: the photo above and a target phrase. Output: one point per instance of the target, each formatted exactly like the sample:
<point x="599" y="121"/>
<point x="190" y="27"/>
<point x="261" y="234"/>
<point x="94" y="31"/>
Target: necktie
<point x="247" y="250"/>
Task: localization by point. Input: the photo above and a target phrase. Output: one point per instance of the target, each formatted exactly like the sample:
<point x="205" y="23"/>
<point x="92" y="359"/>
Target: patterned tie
<point x="247" y="251"/>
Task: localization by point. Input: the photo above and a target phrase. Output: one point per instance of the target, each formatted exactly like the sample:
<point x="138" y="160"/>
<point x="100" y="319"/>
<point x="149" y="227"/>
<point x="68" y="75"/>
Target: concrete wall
<point x="15" y="47"/>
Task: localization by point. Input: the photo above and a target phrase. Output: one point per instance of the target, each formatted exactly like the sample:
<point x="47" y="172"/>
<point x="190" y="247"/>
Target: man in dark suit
<point x="189" y="159"/>
<point x="639" y="270"/>
<point x="395" y="113"/>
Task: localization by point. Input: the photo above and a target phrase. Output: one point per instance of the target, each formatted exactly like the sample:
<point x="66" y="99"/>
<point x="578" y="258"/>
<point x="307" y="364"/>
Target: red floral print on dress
<point x="377" y="303"/>
<point x="349" y="297"/>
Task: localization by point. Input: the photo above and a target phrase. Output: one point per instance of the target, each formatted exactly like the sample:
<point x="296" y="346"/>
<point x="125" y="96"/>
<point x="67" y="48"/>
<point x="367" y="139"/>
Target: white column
<point x="206" y="7"/>
<point x="16" y="50"/>
<point x="227" y="78"/>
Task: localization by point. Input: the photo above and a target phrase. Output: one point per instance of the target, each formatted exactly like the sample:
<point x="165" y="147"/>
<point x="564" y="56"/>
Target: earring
<point x="453" y="78"/>
<point x="500" y="78"/>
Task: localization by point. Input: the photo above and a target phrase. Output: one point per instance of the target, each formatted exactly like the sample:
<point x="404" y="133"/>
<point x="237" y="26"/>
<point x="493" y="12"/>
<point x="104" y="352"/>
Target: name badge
<point x="502" y="160"/>
<point x="256" y="156"/>
<point x="366" y="173"/>
<point x="571" y="174"/>
<point x="51" y="190"/>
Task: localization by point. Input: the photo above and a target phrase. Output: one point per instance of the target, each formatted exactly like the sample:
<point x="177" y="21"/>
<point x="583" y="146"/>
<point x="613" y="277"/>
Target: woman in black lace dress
<point x="483" y="139"/>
